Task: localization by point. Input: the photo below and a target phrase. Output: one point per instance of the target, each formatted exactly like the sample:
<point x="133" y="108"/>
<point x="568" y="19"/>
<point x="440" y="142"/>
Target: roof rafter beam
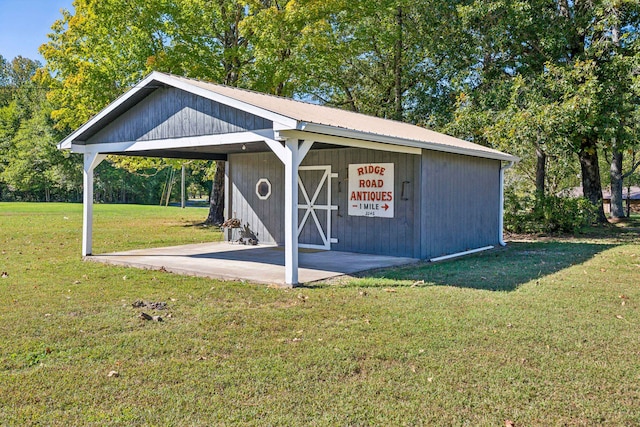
<point x="125" y="147"/>
<point x="349" y="142"/>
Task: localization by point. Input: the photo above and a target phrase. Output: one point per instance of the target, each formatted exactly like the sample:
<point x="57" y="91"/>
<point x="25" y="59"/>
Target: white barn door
<point x="315" y="206"/>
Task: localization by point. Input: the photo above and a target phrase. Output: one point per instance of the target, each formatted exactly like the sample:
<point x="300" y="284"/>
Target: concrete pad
<point x="259" y="264"/>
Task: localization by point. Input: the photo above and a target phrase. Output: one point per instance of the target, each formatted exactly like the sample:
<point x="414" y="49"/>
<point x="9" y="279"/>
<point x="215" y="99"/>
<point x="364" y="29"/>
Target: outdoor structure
<point x="304" y="175"/>
<point x="630" y="197"/>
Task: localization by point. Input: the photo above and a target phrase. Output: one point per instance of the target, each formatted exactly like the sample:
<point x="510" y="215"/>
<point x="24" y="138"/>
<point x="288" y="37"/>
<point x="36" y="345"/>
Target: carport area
<point x="256" y="264"/>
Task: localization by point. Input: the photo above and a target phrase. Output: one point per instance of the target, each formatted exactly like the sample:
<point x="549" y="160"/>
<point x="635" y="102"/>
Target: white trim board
<point x="175" y="143"/>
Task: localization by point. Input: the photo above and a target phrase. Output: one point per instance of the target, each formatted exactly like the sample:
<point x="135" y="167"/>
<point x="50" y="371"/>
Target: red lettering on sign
<point x="372" y="196"/>
<point x="378" y="170"/>
<point x="371" y="183"/>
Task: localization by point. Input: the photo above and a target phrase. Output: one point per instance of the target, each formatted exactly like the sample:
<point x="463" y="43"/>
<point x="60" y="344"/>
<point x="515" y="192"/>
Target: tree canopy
<point x="555" y="82"/>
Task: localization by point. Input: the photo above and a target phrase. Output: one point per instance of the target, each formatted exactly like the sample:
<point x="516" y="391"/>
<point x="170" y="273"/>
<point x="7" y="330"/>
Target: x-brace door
<point x="314" y="227"/>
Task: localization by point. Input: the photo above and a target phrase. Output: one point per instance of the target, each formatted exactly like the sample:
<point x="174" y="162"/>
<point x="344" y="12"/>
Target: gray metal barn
<point x="304" y="175"/>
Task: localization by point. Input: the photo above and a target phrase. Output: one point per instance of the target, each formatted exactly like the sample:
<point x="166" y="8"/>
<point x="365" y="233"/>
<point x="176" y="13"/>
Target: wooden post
<point x="291" y="211"/>
<point x="91" y="160"/>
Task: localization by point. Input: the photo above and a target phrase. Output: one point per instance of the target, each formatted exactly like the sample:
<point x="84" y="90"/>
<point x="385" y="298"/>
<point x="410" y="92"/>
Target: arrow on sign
<point x="385" y="206"/>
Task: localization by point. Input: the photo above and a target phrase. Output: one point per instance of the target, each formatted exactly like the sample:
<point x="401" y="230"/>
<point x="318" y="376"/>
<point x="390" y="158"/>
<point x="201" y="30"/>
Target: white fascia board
<point x="349" y="142"/>
<point x="279" y="120"/>
<point x="66" y="143"/>
<point x="400" y="142"/>
<point x="175" y="143"/>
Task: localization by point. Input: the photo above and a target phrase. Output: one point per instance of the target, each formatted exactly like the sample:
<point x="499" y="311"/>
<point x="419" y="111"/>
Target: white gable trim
<point x="175" y="143"/>
<point x="65" y="144"/>
<point x="280" y="121"/>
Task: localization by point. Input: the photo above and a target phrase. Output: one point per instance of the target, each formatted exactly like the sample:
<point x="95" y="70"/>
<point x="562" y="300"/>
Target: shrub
<point x="548" y="214"/>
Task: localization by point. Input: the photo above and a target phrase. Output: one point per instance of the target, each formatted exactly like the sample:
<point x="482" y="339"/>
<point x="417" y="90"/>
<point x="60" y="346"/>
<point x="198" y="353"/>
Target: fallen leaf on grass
<point x="390" y="290"/>
<point x="113" y="374"/>
<point x="619" y="317"/>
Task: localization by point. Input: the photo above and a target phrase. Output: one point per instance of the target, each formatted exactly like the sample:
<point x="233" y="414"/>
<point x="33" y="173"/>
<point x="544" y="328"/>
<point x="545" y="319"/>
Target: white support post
<point x="91" y="160"/>
<point x="291" y="162"/>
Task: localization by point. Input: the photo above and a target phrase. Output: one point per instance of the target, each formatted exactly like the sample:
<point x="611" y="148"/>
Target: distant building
<point x="633" y="197"/>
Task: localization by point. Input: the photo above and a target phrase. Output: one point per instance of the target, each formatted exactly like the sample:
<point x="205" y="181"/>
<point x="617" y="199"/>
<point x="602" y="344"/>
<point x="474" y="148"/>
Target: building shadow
<point x="502" y="269"/>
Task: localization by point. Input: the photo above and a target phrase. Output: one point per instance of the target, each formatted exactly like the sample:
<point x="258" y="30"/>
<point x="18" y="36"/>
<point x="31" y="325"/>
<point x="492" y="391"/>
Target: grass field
<point x="542" y="332"/>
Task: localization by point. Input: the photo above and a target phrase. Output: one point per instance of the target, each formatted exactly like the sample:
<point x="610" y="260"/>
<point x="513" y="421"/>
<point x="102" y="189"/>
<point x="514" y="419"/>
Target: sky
<point x="24" y="25"/>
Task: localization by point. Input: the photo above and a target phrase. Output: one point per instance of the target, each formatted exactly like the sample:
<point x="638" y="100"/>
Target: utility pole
<point x="182" y="192"/>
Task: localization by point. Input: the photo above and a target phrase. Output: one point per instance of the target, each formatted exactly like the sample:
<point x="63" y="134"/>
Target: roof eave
<point x="279" y="121"/>
<point x="366" y="136"/>
<point x="66" y="144"/>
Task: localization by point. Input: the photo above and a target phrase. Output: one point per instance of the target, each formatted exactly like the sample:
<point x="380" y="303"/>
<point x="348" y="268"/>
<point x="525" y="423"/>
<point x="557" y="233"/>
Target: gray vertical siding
<point x="173" y="113"/>
<point x="390" y="236"/>
<point x="265" y="217"/>
<point x="452" y="202"/>
<point x="387" y="236"/>
<point x="460" y="203"/>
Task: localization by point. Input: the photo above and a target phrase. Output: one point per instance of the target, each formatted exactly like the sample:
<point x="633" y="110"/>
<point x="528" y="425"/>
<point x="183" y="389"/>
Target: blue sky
<point x="24" y="25"/>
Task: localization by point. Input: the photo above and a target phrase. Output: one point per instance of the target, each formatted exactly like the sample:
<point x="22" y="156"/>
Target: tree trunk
<point x="591" y="184"/>
<point x="216" y="202"/>
<point x="232" y="68"/>
<point x="397" y="67"/>
<point x="541" y="172"/>
<point x="615" y="172"/>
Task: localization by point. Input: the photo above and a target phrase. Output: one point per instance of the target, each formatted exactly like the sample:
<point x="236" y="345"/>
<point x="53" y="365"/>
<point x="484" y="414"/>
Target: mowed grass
<point x="539" y="333"/>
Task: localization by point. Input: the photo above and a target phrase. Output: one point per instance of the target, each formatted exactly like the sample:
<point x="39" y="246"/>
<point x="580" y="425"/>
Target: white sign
<point x="371" y="190"/>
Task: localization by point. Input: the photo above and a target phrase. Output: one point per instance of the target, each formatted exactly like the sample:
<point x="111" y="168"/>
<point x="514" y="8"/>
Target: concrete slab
<point x="259" y="264"/>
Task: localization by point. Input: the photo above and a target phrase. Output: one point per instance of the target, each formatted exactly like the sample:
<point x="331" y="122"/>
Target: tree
<point x="567" y="50"/>
<point x="30" y="164"/>
<point x="97" y="53"/>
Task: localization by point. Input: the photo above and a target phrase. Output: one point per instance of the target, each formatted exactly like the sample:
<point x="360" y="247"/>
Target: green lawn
<point x="542" y="332"/>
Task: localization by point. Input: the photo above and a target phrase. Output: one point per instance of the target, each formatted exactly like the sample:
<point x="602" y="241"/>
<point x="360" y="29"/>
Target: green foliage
<point x="552" y="77"/>
<point x="547" y="214"/>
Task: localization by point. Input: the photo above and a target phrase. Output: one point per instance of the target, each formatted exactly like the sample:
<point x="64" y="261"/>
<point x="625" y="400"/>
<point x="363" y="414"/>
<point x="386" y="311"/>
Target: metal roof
<point x="293" y="115"/>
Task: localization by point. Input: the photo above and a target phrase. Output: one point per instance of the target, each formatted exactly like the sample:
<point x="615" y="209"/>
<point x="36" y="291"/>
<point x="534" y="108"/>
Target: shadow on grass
<point x="501" y="269"/>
